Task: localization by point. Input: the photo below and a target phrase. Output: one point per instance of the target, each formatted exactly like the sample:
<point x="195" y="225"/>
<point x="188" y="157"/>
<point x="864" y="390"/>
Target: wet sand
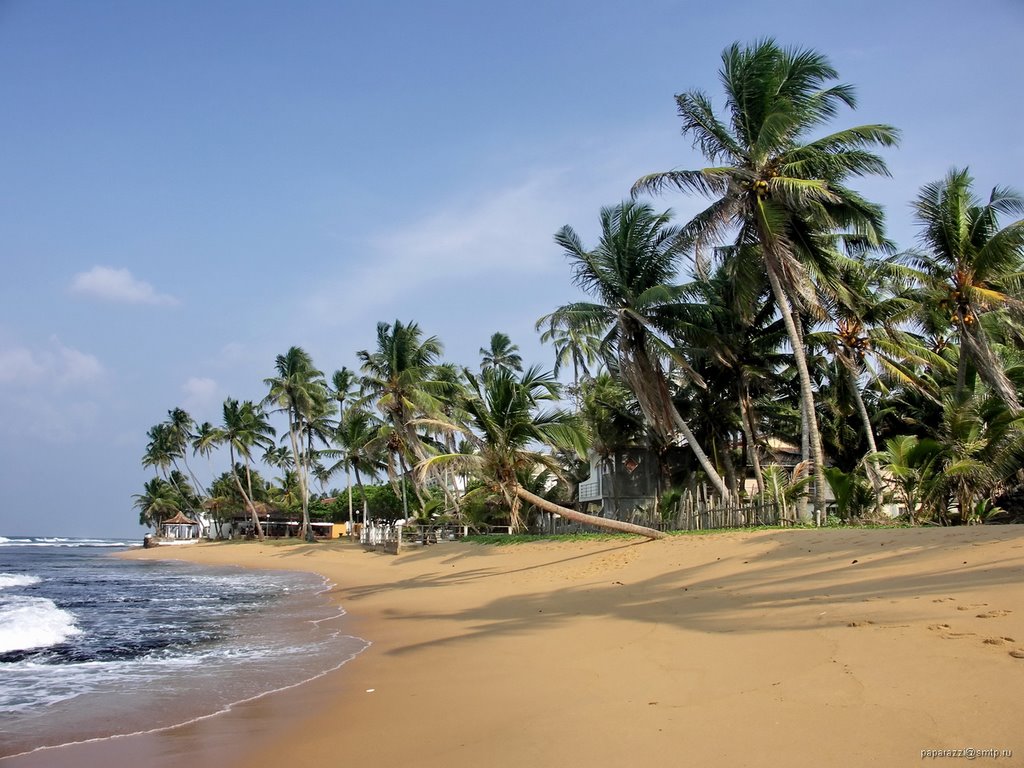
<point x="796" y="648"/>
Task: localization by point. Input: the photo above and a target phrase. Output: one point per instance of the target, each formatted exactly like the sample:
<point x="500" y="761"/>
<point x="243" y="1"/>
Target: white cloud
<point x="118" y="285"/>
<point x="201" y="394"/>
<point x="18" y="364"/>
<point x="53" y="365"/>
<point x="50" y="388"/>
<point x="486" y="257"/>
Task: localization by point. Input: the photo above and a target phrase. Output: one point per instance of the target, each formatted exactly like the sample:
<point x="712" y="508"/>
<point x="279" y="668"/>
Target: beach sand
<point x="768" y="648"/>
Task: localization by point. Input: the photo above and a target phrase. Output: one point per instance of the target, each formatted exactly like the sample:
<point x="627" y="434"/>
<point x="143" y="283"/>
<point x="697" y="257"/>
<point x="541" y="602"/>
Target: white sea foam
<point x="33" y="622"/>
<point x="17" y="580"/>
<point x="61" y="542"/>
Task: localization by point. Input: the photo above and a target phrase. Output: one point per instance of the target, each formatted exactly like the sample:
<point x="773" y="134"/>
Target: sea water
<point x="93" y="646"/>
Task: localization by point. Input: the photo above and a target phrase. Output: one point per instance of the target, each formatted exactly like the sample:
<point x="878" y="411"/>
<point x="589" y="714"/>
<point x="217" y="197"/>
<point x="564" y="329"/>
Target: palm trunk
<point x="300" y="467"/>
<point x="245" y="497"/>
<point x="351" y="519"/>
<point x="648" y="384"/>
<point x="362" y="491"/>
<point x="806" y="390"/>
<point x="728" y="467"/>
<point x="582" y="517"/>
<point x="405" y="499"/>
<point x="709" y="469"/>
<point x="874" y="471"/>
<point x="750" y="437"/>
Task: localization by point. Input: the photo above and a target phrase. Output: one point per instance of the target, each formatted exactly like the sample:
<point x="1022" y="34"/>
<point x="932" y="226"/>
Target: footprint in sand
<point x="943" y="599"/>
<point x="1018" y="654"/>
<point x="997" y="640"/>
<point x="945" y="632"/>
<point x="993" y="614"/>
<point x="859" y="623"/>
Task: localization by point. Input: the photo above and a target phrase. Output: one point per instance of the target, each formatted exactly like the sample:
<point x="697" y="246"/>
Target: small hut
<point x="179" y="527"/>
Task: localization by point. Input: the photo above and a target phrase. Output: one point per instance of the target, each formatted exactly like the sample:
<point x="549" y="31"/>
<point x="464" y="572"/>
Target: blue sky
<point x="189" y="188"/>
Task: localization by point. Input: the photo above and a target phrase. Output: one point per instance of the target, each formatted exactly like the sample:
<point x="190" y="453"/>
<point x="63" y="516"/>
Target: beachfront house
<point x="623" y="483"/>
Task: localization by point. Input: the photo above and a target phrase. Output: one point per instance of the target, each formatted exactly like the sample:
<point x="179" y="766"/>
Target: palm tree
<point x="868" y="341"/>
<point x="158" y="501"/>
<point x="278" y="457"/>
<point x="729" y="327"/>
<point x="181" y="426"/>
<point x="501" y="354"/>
<point x="628" y="272"/>
<point x="245" y="427"/>
<point x="775" y="187"/>
<point x="982" y="445"/>
<point x="397" y="373"/>
<point x="299" y="390"/>
<point x="970" y="267"/>
<point x="505" y="420"/>
<point x="356" y="440"/>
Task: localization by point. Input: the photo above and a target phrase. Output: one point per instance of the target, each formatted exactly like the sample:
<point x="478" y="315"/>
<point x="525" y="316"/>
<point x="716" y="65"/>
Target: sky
<point x="187" y="189"/>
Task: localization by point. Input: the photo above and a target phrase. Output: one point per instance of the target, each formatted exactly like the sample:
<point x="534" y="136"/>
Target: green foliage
<point x="853" y="493"/>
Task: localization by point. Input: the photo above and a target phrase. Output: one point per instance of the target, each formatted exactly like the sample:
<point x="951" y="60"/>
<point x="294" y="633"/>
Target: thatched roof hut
<point x="180" y="527"/>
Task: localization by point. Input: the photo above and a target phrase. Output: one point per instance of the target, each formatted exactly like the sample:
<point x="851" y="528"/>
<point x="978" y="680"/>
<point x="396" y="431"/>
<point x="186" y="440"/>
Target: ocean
<point x="93" y="646"/>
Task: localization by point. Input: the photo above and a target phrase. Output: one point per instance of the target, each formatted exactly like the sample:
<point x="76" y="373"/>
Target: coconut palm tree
<point x="982" y="446"/>
<point x="357" y="444"/>
<point x="868" y="341"/>
<point x="507" y="418"/>
<point x="969" y="267"/>
<point x="573" y="345"/>
<point x="727" y="323"/>
<point x="162" y="453"/>
<point x="298" y="389"/>
<point x="245" y="427"/>
<point x="777" y="187"/>
<point x="158" y="501"/>
<point x="629" y="273"/>
<point x="397" y="374"/>
<point x="182" y="427"/>
<point x="501" y="354"/>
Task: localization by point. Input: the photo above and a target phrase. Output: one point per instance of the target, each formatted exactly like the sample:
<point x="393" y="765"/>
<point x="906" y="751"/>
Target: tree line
<point x="781" y="313"/>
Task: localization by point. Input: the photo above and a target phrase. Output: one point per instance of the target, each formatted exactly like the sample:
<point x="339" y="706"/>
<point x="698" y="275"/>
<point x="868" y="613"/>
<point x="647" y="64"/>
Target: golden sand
<point x="770" y="648"/>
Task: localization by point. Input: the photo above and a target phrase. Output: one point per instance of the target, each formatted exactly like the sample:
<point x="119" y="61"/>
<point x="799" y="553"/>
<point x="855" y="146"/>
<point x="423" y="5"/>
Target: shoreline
<point x="803" y="647"/>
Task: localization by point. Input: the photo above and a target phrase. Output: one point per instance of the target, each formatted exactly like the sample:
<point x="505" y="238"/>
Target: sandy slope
<point x="795" y="648"/>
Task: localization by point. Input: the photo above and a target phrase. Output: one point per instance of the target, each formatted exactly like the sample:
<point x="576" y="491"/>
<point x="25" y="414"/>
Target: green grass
<point x="503" y="539"/>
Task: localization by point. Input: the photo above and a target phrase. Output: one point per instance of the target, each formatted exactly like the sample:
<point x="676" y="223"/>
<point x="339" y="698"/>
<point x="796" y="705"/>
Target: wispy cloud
<point x="201" y="395"/>
<point x="118" y="285"/>
<point x="487" y="255"/>
<point x="52" y="365"/>
<point x="50" y="389"/>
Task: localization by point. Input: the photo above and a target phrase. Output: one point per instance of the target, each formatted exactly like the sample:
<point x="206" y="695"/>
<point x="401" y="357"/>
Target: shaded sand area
<point x="795" y="648"/>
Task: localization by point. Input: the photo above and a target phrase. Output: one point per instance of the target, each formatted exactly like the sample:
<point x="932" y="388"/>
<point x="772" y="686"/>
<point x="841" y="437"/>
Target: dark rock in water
<point x="149" y="541"/>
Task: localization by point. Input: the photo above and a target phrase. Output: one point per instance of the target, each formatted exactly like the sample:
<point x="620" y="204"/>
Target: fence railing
<point x="686" y="514"/>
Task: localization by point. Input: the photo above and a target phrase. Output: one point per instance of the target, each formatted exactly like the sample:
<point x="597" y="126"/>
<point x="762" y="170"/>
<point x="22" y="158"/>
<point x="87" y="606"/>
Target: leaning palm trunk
<point x="871" y="463"/>
<point x="806" y="390"/>
<point x="582" y="517"/>
<point x="247" y="497"/>
<point x="648" y="384"/>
